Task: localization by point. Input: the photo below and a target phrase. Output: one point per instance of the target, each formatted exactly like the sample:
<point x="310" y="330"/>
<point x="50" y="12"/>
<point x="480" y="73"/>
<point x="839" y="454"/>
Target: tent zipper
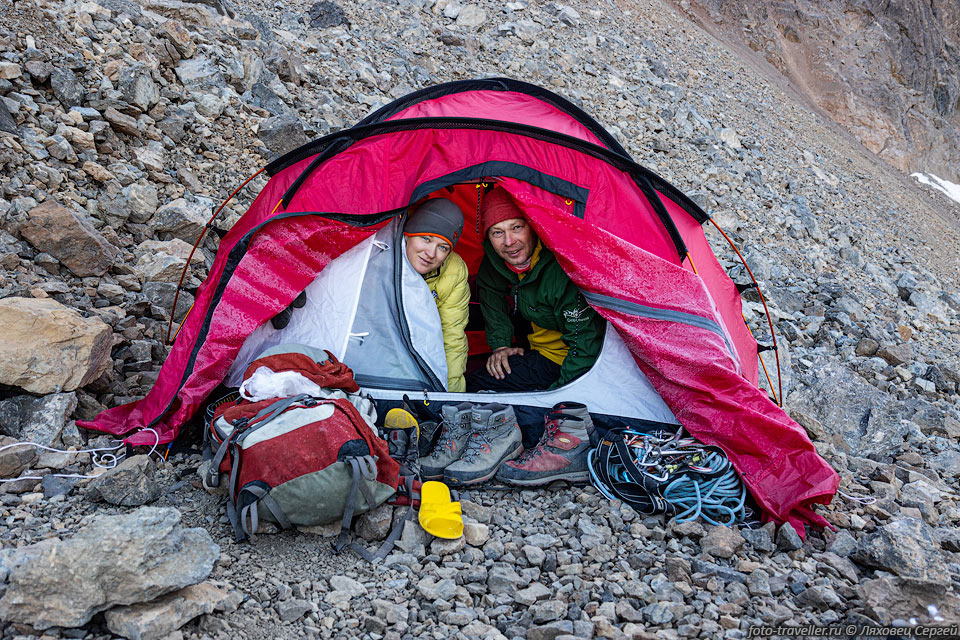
<point x="435" y="382"/>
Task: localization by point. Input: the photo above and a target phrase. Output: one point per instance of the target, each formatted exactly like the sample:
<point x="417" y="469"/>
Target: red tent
<point x="631" y="241"/>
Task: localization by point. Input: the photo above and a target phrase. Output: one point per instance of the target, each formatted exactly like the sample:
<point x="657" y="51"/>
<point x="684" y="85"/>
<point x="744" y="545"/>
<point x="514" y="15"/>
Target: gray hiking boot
<point x="561" y="453"/>
<point x="496" y="437"/>
<point x="402" y="433"/>
<point x="428" y="429"/>
<point x="456" y="431"/>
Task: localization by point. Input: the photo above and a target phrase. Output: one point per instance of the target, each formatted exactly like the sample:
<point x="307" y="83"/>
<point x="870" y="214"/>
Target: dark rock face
<point x="326" y="14"/>
<point x="887" y="71"/>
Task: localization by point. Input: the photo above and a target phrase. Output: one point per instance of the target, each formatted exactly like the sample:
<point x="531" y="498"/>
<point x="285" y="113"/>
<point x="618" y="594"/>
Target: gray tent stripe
<point x="644" y="311"/>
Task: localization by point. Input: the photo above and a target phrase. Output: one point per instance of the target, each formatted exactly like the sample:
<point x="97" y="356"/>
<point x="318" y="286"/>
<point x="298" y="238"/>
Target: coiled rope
<point x="669" y="473"/>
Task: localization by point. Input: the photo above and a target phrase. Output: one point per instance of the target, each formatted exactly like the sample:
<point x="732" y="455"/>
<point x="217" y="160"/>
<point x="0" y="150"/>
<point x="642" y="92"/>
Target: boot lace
<point x="550" y="429"/>
<point x="474" y="446"/>
<point x="447" y="435"/>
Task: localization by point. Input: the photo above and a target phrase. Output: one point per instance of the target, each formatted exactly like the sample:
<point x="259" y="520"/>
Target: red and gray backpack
<point x="299" y="460"/>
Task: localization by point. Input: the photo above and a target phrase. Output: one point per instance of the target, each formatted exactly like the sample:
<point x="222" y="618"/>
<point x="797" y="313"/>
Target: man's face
<point x="514" y="241"/>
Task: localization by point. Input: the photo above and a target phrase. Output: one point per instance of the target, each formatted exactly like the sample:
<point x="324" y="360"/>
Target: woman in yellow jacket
<point x="431" y="232"/>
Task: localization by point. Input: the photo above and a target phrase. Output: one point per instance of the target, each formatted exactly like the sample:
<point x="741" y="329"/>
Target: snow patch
<point x="952" y="190"/>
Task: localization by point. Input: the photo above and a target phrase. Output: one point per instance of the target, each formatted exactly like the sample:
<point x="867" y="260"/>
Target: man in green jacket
<point x="521" y="277"/>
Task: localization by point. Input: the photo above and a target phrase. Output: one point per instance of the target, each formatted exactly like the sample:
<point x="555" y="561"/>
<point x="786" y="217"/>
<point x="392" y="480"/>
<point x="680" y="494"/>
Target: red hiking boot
<point x="561" y="453"/>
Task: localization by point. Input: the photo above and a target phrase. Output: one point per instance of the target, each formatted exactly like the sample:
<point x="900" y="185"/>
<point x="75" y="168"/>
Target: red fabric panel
<point x="690" y="367"/>
<point x="500" y="105"/>
<point x="380" y="173"/>
<point x="283" y="258"/>
<point x="721" y="288"/>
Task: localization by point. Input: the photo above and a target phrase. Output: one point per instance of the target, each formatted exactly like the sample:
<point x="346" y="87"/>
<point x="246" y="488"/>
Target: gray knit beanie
<point x="436" y="217"/>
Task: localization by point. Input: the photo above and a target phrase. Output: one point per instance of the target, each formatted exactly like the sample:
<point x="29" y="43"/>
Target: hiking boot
<point x="429" y="430"/>
<point x="496" y="437"/>
<point x="402" y="435"/>
<point x="455" y="431"/>
<point x="282" y="319"/>
<point x="561" y="453"/>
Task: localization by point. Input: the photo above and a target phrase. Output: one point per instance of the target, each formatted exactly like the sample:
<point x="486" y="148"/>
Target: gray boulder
<point x="868" y="420"/>
<point x="14" y="460"/>
<point x="138" y="88"/>
<point x="114" y="560"/>
<point x="129" y="484"/>
<point x="40" y="420"/>
<point x="69" y="237"/>
<point x="181" y="219"/>
<point x="888" y="598"/>
<point x="7" y="123"/>
<point x="282" y="133"/>
<point x="905" y="547"/>
<point x="67" y="88"/>
<point x="326" y="14"/>
<point x="158" y="618"/>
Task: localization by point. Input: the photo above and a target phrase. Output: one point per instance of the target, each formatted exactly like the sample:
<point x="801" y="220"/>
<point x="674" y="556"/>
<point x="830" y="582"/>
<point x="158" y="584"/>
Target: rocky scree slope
<point x="124" y="123"/>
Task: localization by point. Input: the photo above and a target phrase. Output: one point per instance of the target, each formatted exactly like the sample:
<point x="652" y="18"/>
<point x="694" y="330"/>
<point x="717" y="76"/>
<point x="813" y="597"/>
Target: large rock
<point x="161" y="295"/>
<point x="15" y="460"/>
<point x="7" y="123"/>
<point x="205" y="84"/>
<point x="326" y="14"/>
<point x="121" y="122"/>
<point x="375" y="525"/>
<point x="722" y="542"/>
<point x="141" y="201"/>
<point x="138" y="88"/>
<point x="868" y="420"/>
<point x="179" y="38"/>
<point x="132" y="483"/>
<point x="282" y="133"/>
<point x="888" y="598"/>
<point x="48" y="348"/>
<point x="38" y="420"/>
<point x="163" y="261"/>
<point x="185" y="12"/>
<point x="906" y="547"/>
<point x="68" y="237"/>
<point x="114" y="560"/>
<point x="66" y="88"/>
<point x="181" y="219"/>
<point x="166" y="614"/>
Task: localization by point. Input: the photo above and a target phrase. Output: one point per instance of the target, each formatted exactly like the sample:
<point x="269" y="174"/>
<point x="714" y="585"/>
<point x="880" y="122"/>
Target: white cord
<point x="105" y="461"/>
<point x="860" y="499"/>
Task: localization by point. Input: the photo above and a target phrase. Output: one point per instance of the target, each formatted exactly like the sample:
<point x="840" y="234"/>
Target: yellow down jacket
<point x="452" y="295"/>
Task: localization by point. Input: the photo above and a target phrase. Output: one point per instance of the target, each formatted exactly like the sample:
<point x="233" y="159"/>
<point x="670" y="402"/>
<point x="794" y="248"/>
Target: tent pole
<point x="203" y="231"/>
<point x="773" y="335"/>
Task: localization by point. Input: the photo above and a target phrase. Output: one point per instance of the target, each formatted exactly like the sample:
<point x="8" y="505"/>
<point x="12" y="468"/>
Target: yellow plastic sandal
<point x="438" y="515"/>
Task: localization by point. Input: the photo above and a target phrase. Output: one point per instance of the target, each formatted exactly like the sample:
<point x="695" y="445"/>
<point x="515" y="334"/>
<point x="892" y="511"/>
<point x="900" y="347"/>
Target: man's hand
<point x="497" y="364"/>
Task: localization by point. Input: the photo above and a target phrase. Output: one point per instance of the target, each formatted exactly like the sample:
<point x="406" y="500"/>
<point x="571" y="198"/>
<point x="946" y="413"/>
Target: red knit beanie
<point x="497" y="206"/>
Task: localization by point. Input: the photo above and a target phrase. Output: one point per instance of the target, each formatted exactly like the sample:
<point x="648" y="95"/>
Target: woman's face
<point x="426" y="253"/>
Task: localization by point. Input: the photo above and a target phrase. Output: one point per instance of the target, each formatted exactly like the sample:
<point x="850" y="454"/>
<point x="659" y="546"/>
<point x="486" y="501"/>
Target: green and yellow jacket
<point x="547" y="298"/>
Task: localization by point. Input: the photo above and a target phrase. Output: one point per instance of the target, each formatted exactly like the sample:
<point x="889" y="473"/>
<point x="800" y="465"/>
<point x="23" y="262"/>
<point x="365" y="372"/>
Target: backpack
<point x="299" y="460"/>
